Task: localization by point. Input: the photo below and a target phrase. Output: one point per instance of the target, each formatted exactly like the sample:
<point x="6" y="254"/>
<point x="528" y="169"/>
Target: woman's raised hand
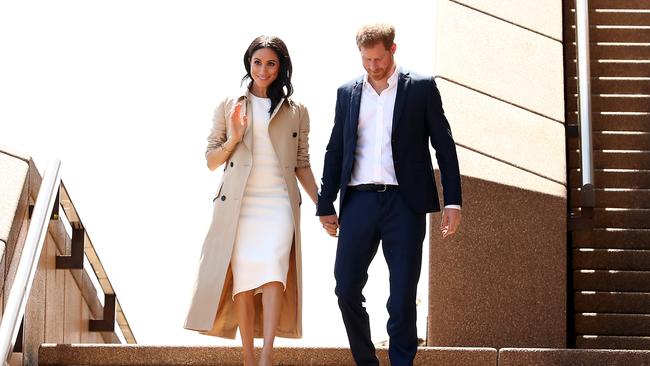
<point x="237" y="123"/>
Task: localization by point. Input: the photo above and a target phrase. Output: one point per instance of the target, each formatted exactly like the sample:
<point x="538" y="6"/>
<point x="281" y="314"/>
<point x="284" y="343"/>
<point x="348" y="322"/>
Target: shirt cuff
<point x="453" y="206"/>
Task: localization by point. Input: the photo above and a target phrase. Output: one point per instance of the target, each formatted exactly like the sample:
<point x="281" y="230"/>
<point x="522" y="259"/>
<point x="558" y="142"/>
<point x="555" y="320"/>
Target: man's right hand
<point x="330" y="224"/>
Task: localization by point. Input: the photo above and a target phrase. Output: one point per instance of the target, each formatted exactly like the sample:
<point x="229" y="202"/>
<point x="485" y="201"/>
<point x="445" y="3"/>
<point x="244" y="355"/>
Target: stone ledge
<point x="583" y="357"/>
<point x="79" y="354"/>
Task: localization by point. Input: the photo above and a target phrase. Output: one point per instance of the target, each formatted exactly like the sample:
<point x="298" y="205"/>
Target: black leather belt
<point x="374" y="187"/>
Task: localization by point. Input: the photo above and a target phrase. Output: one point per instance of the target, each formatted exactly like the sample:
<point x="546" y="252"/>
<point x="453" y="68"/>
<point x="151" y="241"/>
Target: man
<point x="378" y="157"/>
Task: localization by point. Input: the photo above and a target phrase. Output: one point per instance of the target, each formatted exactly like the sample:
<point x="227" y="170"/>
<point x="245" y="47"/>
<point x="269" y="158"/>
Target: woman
<point x="250" y="267"/>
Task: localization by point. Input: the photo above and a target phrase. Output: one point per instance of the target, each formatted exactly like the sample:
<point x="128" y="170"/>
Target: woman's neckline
<point x="262" y="98"/>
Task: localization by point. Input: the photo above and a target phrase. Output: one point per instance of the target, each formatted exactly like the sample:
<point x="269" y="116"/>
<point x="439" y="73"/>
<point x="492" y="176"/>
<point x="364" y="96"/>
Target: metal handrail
<point x="588" y="197"/>
<point x="22" y="284"/>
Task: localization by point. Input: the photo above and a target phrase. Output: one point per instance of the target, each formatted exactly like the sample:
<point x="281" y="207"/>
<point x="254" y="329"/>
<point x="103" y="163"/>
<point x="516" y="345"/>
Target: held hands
<point x="450" y="221"/>
<point x="237" y="123"/>
<point x="330" y="224"/>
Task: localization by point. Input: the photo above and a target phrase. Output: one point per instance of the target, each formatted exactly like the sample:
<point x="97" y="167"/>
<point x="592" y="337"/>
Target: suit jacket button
<point x="223" y="198"/>
<point x="232" y="164"/>
<point x="295" y="134"/>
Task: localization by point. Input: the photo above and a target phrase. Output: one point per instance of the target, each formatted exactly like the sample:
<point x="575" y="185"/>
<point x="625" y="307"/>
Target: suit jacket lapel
<point x="355" y="106"/>
<point x="400" y="98"/>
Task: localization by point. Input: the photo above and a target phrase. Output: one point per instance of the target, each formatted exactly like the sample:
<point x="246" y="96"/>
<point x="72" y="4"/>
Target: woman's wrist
<point x="228" y="145"/>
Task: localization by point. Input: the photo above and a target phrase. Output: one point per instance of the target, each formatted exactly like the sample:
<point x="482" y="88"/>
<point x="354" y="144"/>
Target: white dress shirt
<point x="374" y="153"/>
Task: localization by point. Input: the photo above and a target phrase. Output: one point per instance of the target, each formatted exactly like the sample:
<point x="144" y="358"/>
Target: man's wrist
<point x="457" y="207"/>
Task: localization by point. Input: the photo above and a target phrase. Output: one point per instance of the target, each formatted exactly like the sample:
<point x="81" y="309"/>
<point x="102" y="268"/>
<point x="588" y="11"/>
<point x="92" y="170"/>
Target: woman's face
<point x="265" y="67"/>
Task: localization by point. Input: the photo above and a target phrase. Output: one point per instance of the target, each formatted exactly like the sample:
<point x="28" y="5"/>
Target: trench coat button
<point x="295" y="134"/>
<point x="232" y="164"/>
<point x="223" y="198"/>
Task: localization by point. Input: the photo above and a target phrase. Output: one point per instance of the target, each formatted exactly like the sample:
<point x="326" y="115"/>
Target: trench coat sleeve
<point x="303" y="139"/>
<point x="218" y="134"/>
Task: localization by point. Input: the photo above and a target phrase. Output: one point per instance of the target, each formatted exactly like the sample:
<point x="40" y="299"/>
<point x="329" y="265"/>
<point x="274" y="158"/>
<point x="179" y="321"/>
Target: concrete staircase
<point x="611" y="262"/>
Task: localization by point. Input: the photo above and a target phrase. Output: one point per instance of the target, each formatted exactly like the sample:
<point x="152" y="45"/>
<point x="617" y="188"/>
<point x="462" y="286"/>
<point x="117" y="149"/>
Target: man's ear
<point x="393" y="48"/>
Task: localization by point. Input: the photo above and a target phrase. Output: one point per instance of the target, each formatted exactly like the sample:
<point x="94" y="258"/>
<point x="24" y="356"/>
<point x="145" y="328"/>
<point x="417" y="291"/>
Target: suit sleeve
<point x="443" y="142"/>
<point x="330" y="182"/>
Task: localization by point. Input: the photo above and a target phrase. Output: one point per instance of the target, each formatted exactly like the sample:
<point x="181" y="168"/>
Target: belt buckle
<point x="384" y="188"/>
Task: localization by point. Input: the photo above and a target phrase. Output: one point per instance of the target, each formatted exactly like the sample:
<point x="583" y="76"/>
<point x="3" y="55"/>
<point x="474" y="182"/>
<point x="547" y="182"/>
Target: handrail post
<point x="22" y="284"/>
<point x="584" y="97"/>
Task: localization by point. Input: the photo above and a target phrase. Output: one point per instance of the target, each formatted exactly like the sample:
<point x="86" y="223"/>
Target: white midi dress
<point x="265" y="230"/>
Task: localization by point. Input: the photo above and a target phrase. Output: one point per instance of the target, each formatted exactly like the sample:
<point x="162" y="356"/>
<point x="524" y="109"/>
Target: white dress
<point x="265" y="230"/>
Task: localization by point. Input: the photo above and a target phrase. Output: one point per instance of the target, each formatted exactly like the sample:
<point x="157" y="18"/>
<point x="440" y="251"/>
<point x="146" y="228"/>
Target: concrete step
<point x="616" y="103"/>
<point x="617" y="281"/>
<point x="614" y="178"/>
<point x="605" y="16"/>
<point x="615" y="198"/>
<point x="613" y="342"/>
<point x="619" y="122"/>
<point x="616" y="140"/>
<point x="614" y="159"/>
<point x="612" y="324"/>
<point x="628" y="218"/>
<point x="609" y="68"/>
<point x="611" y="302"/>
<point x="566" y="357"/>
<point x="127" y="355"/>
<point x="611" y="259"/>
<point x="619" y="4"/>
<point x="601" y="34"/>
<point x="618" y="18"/>
<point x="612" y="239"/>
<point x="614" y="51"/>
<point x="613" y="85"/>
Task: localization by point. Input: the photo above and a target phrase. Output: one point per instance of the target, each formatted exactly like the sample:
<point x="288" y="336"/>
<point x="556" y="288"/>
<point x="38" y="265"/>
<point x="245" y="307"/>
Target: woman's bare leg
<point x="271" y="302"/>
<point x="245" y="309"/>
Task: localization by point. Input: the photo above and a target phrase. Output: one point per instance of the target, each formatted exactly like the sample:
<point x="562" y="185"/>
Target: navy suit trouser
<point x="367" y="218"/>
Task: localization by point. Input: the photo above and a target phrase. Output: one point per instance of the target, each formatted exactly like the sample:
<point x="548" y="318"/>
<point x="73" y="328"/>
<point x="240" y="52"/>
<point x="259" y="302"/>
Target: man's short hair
<point x="371" y="34"/>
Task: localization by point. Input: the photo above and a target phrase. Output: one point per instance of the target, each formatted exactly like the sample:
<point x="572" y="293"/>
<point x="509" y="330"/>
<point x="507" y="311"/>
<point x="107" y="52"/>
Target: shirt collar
<point x="392" y="79"/>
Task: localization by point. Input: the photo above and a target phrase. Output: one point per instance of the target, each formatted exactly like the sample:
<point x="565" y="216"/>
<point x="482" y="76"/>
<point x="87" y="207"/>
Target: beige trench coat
<point x="212" y="308"/>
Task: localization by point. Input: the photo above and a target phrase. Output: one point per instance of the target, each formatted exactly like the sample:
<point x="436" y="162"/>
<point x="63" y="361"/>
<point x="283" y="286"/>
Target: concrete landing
<point x="562" y="357"/>
<point x="126" y="355"/>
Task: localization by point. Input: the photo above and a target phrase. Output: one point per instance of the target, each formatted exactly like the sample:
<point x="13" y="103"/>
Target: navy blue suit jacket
<point x="418" y="118"/>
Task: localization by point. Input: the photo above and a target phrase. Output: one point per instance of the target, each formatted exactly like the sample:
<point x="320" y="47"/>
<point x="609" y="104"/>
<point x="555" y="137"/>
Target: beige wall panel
<point x="14" y="174"/>
<point x="14" y="177"/>
<point x="2" y="282"/>
<point x="504" y="131"/>
<point x="72" y="326"/>
<point x="543" y="16"/>
<point x="501" y="281"/>
<point x="22" y="155"/>
<point x="500" y="59"/>
<point x="34" y="326"/>
<point x="479" y="166"/>
<point x="54" y="296"/>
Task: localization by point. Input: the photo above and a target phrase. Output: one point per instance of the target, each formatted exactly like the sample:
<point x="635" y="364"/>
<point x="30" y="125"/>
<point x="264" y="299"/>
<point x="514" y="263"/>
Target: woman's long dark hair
<point x="276" y="90"/>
